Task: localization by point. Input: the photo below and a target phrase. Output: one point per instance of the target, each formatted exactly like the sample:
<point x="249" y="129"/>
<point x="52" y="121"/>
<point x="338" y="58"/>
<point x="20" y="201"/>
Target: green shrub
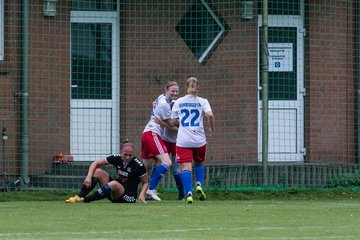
<point x="347" y="180"/>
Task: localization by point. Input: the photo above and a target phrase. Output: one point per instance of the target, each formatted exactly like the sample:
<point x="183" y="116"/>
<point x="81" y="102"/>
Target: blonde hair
<point x="192" y="85"/>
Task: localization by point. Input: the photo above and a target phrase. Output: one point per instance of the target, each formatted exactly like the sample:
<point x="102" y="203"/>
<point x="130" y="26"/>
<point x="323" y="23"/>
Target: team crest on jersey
<point x="151" y="126"/>
<point x="128" y="170"/>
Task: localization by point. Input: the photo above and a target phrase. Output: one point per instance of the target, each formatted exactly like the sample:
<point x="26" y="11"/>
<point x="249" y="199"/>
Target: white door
<point x="94" y="85"/>
<point x="286" y="89"/>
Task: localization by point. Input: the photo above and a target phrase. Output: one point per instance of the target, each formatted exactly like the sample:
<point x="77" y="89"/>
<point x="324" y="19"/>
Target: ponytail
<point x="192" y="86"/>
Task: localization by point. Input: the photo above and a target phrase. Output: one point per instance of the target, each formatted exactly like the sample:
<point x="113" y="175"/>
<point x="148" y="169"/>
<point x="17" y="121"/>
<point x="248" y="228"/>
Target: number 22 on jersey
<point x="190" y="118"/>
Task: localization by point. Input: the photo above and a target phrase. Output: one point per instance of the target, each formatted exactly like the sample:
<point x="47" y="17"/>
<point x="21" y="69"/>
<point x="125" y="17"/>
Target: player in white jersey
<point x="153" y="145"/>
<point x="169" y="136"/>
<point x="191" y="138"/>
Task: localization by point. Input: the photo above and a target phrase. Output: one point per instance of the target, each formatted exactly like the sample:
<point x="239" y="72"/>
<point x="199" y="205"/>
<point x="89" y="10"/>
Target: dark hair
<point x="170" y="84"/>
<point x="127" y="142"/>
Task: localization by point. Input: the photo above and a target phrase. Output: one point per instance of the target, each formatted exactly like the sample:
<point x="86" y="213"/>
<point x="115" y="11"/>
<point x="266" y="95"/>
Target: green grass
<point x="234" y="194"/>
<point x="247" y="214"/>
<point x="285" y="215"/>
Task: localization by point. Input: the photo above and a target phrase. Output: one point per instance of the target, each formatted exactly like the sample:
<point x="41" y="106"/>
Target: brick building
<point x="82" y="80"/>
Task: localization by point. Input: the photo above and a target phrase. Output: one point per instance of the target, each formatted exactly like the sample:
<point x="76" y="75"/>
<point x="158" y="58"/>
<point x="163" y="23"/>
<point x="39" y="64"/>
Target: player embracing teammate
<point x="158" y="140"/>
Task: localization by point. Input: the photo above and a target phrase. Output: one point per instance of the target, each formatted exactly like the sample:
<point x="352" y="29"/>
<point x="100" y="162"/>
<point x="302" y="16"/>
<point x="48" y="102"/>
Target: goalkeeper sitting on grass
<point x="131" y="171"/>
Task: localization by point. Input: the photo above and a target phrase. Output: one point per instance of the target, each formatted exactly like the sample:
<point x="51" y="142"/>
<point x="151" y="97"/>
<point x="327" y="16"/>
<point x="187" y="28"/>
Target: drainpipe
<point x="265" y="93"/>
<point x="357" y="64"/>
<point x="24" y="148"/>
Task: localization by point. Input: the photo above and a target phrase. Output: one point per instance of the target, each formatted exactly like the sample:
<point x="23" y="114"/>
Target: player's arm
<point x="160" y="122"/>
<point x="173" y="122"/>
<point x="144" y="186"/>
<point x="166" y="123"/>
<point x="174" y="116"/>
<point x="93" y="166"/>
<point x="211" y="119"/>
<point x="174" y="127"/>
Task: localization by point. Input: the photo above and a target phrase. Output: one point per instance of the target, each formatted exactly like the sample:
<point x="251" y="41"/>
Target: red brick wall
<point x="9" y="77"/>
<point x="48" y="85"/>
<point x="330" y="82"/>
<point x="153" y="53"/>
<point x="228" y="78"/>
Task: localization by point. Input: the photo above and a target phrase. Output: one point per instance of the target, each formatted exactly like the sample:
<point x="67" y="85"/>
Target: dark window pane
<point x="282" y="84"/>
<point x="281" y="7"/>
<point x="198" y="28"/>
<point x="93" y="5"/>
<point x="91" y="60"/>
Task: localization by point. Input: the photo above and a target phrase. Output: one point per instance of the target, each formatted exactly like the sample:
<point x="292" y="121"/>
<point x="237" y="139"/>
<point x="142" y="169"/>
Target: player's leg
<point x="178" y="181"/>
<point x="171" y="146"/>
<point x="117" y="189"/>
<point x="186" y="179"/>
<point x="148" y="152"/>
<point x="158" y="172"/>
<point x="111" y="190"/>
<point x="199" y="176"/>
<point x="199" y="158"/>
<point x="154" y="147"/>
<point x="149" y="164"/>
<point x="149" y="167"/>
<point x="99" y="176"/>
<point x="184" y="158"/>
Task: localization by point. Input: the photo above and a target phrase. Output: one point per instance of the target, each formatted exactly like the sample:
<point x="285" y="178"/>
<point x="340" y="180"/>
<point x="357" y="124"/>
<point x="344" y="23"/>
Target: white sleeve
<point x="174" y="113"/>
<point x="165" y="111"/>
<point x="207" y="107"/>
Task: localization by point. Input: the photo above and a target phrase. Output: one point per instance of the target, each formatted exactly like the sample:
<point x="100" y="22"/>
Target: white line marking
<point x="44" y="234"/>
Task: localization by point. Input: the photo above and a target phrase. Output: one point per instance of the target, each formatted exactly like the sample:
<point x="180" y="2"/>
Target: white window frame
<point x="2" y="33"/>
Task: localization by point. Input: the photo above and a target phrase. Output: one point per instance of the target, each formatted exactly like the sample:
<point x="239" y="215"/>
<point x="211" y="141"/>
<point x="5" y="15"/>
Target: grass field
<point x="170" y="219"/>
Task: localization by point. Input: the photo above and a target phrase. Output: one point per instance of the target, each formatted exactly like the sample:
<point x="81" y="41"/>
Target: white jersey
<point x="190" y="110"/>
<point x="161" y="110"/>
<point x="168" y="135"/>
